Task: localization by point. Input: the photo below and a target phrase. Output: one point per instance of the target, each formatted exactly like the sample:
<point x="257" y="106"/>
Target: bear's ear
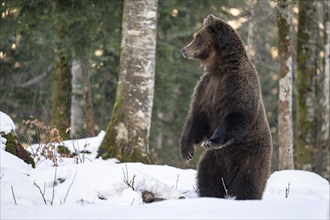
<point x="212" y="24"/>
<point x="215" y="32"/>
<point x="209" y="20"/>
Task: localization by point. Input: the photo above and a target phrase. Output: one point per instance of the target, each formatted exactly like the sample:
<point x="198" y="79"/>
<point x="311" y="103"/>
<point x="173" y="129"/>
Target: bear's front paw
<point x="209" y="144"/>
<point x="188" y="154"/>
<point x="212" y="145"/>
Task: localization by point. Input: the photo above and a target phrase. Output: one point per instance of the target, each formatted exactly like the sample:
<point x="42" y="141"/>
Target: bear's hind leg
<point x="209" y="181"/>
<point x="247" y="190"/>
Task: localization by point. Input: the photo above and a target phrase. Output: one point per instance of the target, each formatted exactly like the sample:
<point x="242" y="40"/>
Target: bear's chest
<point x="212" y="99"/>
<point x="212" y="92"/>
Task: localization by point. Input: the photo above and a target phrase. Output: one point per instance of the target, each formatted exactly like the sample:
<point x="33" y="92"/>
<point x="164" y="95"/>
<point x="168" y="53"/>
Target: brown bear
<point x="228" y="114"/>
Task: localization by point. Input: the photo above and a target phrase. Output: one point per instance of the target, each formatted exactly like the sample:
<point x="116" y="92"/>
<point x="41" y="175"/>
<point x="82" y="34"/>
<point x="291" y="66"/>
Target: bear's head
<point x="214" y="37"/>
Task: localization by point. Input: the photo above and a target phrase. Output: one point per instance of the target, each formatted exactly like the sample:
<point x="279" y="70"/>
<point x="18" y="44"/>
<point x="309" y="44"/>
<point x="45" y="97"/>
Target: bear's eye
<point x="198" y="37"/>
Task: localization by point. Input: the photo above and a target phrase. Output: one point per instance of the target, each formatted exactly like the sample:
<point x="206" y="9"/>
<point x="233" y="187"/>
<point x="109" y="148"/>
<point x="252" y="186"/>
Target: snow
<point x="6" y="123"/>
<point x="6" y="126"/>
<point x="89" y="188"/>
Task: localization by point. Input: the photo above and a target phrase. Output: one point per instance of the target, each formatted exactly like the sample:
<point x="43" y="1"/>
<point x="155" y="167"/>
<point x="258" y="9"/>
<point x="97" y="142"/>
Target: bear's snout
<point x="183" y="51"/>
<point x="186" y="53"/>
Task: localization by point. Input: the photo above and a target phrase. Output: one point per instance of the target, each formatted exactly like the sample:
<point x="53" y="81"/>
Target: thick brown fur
<point x="228" y="114"/>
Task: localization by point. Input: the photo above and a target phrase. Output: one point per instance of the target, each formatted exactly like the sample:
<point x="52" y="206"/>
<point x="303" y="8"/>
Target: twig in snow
<point x="129" y="183"/>
<point x="54" y="183"/>
<point x="224" y="186"/>
<point x="84" y="152"/>
<point x="196" y="190"/>
<point x="132" y="202"/>
<point x="42" y="193"/>
<point x="12" y="191"/>
<point x="287" y="190"/>
<point x="76" y="153"/>
<point x="1" y="176"/>
<point x="177" y="181"/>
<point x="67" y="192"/>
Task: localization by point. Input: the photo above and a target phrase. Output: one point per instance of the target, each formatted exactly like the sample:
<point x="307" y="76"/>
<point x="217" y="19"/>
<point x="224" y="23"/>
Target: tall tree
<point x="128" y="131"/>
<point x="306" y="85"/>
<point x="81" y="102"/>
<point x="250" y="46"/>
<point x="61" y="101"/>
<point x="89" y="110"/>
<point x="77" y="99"/>
<point x="325" y="100"/>
<point x="285" y="129"/>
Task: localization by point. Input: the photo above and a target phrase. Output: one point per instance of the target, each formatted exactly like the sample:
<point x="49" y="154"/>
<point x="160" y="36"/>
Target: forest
<point x="73" y="68"/>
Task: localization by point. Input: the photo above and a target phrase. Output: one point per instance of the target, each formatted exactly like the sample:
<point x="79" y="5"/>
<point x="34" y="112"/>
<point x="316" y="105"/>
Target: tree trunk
<point x="77" y="101"/>
<point x="128" y="131"/>
<point x="61" y="102"/>
<point x="81" y="106"/>
<point x="285" y="129"/>
<point x="250" y="46"/>
<point x="325" y="100"/>
<point x="305" y="84"/>
<point x="90" y="123"/>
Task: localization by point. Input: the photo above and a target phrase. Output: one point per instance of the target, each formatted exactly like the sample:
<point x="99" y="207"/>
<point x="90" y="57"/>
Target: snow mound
<point x="6" y="123"/>
<point x="6" y="126"/>
<point x="86" y="148"/>
<point x="297" y="184"/>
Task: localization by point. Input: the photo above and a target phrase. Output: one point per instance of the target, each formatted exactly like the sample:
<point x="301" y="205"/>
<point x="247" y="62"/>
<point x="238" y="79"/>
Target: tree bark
<point x="285" y="129"/>
<point x="77" y="101"/>
<point x="81" y="106"/>
<point x="306" y="86"/>
<point x="89" y="111"/>
<point x="128" y="131"/>
<point x="61" y="101"/>
<point x="325" y="100"/>
<point x="250" y="46"/>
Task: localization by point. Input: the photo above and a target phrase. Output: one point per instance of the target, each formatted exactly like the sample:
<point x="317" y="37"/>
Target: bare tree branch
<point x="52" y="202"/>
<point x="42" y="193"/>
<point x="224" y="186"/>
<point x="67" y="192"/>
<point x="12" y="191"/>
<point x="33" y="81"/>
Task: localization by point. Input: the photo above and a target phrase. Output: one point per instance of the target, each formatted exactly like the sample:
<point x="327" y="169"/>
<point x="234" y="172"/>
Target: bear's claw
<point x="189" y="157"/>
<point x="188" y="152"/>
<point x="209" y="145"/>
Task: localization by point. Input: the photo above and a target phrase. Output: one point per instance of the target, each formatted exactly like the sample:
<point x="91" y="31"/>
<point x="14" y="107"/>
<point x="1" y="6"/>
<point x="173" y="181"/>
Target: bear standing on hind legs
<point x="228" y="114"/>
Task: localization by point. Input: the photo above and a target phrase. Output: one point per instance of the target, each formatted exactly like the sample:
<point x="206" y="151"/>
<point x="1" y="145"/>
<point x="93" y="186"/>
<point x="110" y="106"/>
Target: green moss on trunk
<point x="61" y="102"/>
<point x="15" y="148"/>
<point x="306" y="87"/>
<point x="111" y="148"/>
<point x="106" y="148"/>
<point x="61" y="97"/>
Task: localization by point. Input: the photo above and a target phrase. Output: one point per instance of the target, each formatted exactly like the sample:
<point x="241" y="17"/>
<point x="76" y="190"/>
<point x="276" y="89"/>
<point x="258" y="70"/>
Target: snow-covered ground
<point x="6" y="125"/>
<point x="89" y="188"/>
